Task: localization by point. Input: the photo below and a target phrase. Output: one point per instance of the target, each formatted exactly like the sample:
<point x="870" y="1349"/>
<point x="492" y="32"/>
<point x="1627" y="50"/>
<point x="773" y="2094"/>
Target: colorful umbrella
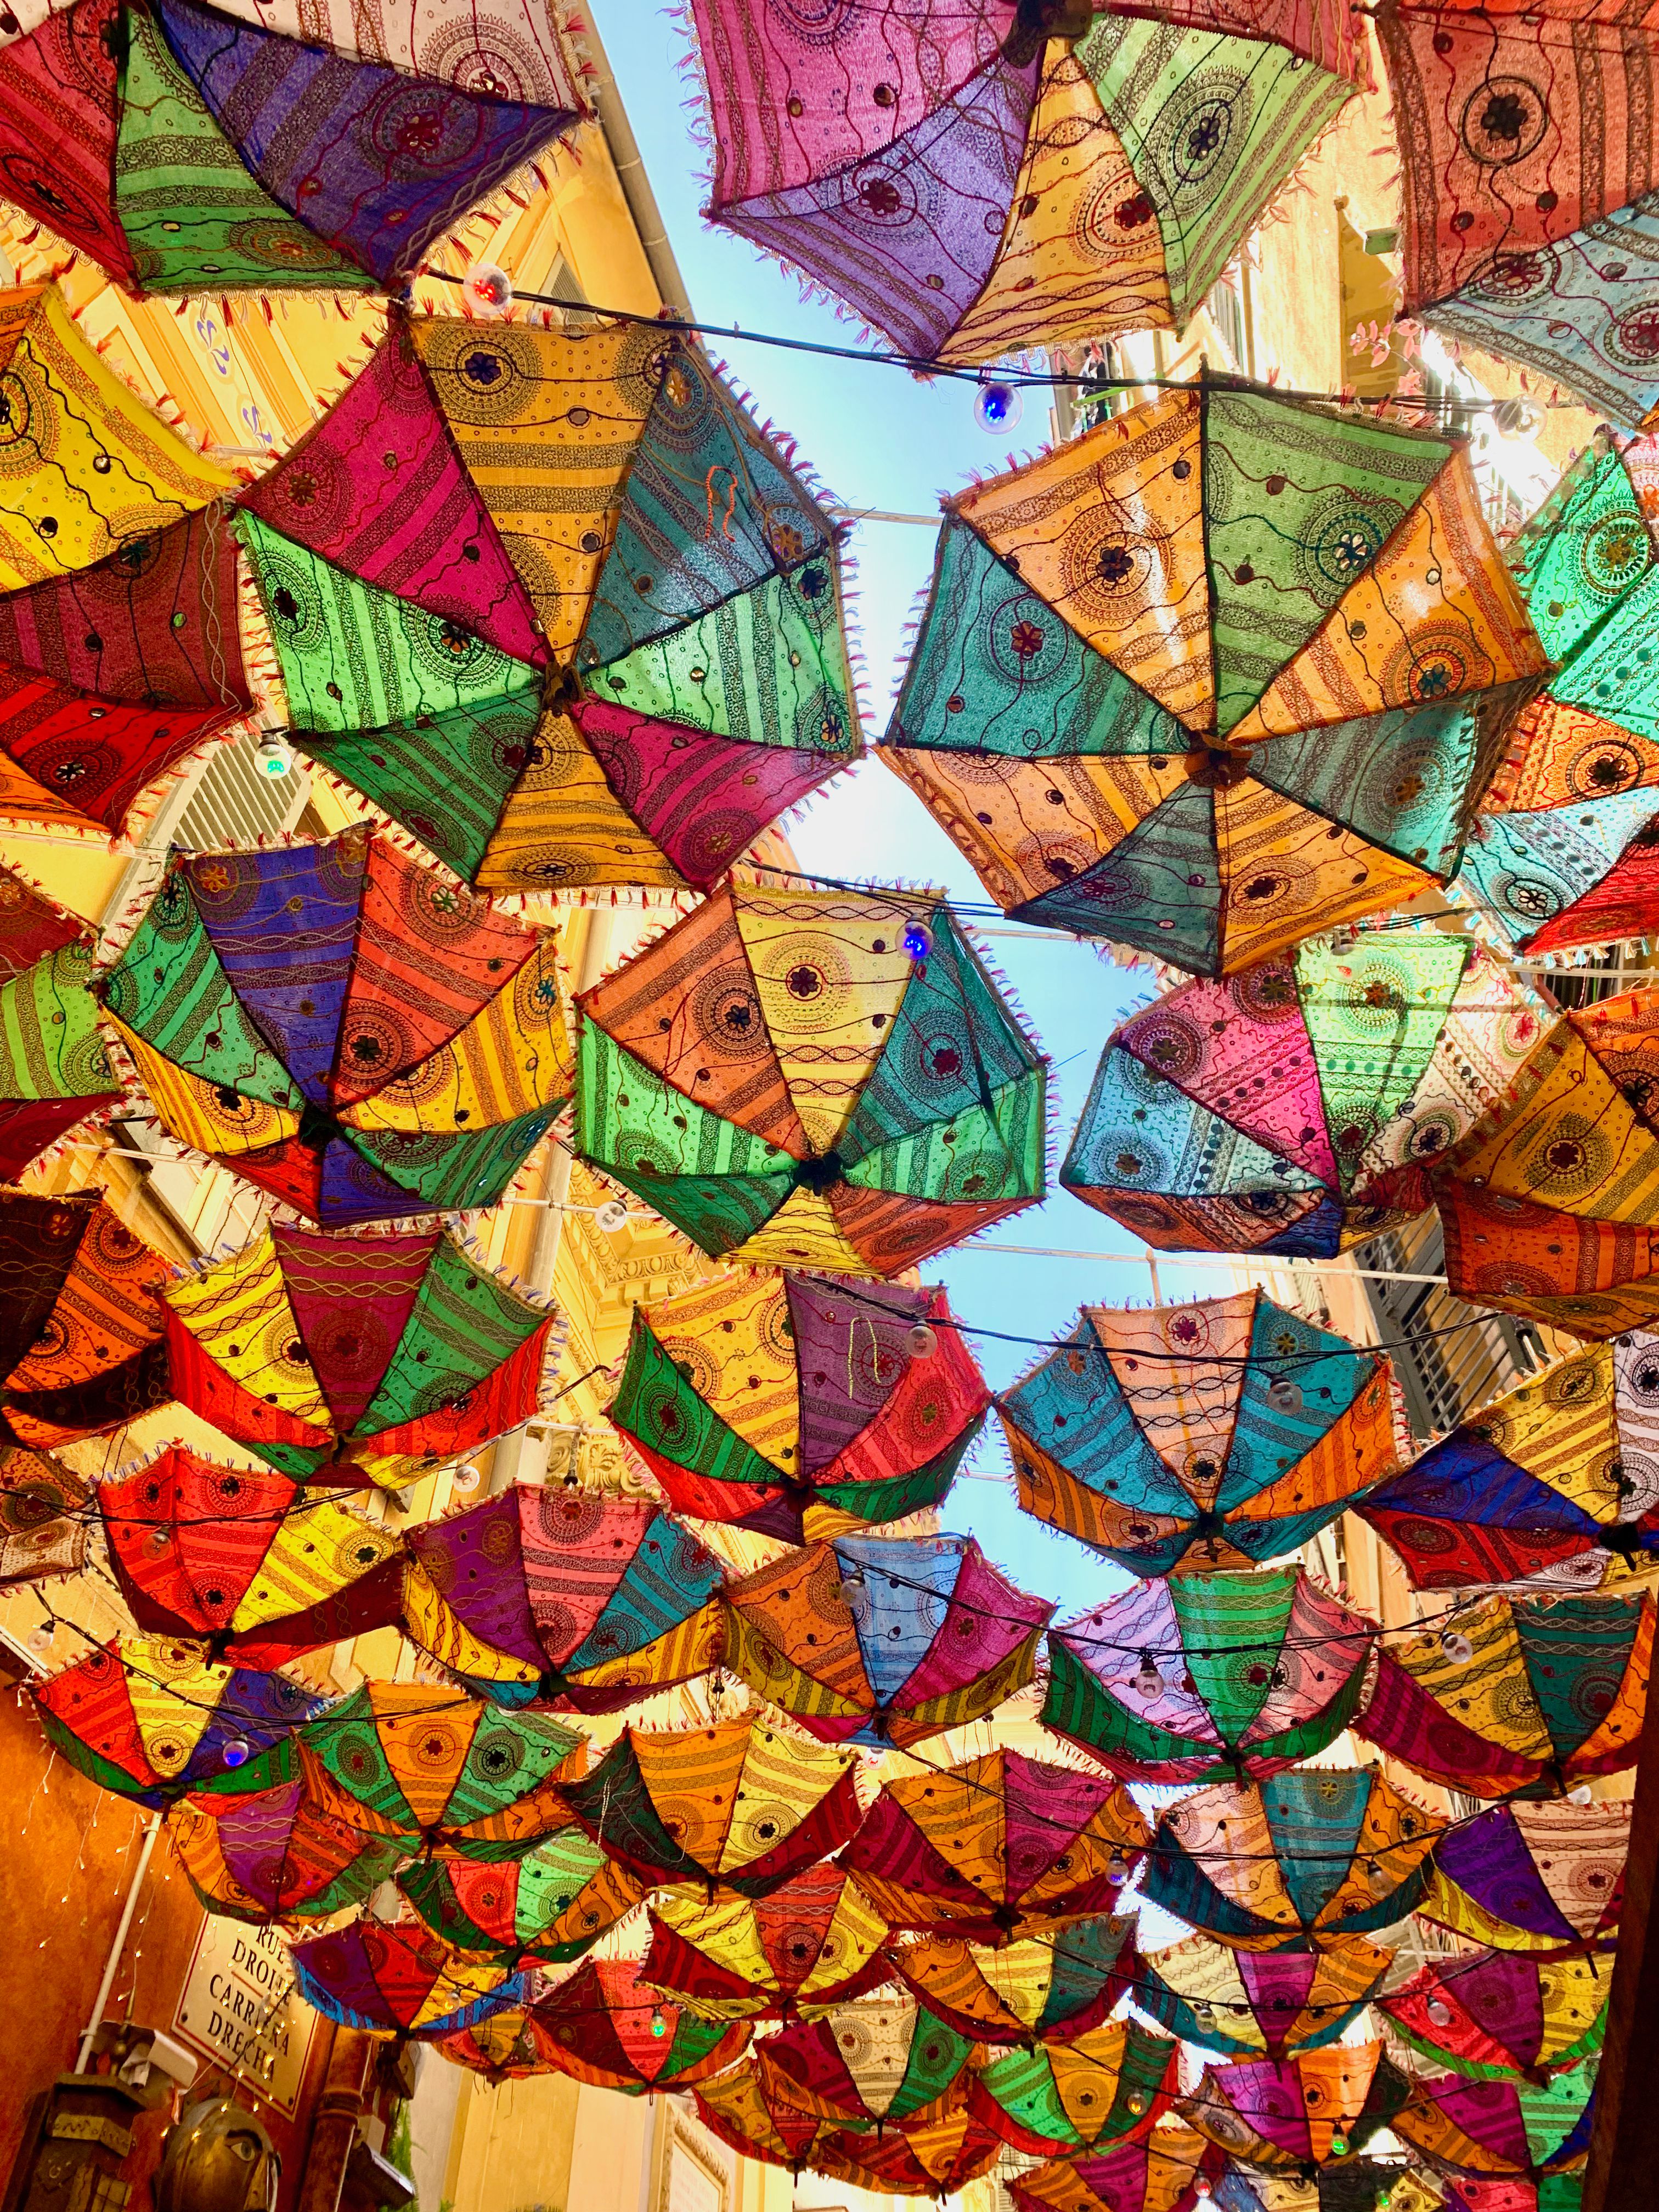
<point x="1051" y="1988"/>
<point x="45" y="1517"/>
<point x="155" y="1719"/>
<point x="739" y="1804"/>
<point x="360" y="1038"/>
<point x="1110" y="2083"/>
<point x="503" y="2046"/>
<point x="743" y="2109"/>
<point x="880" y="2061"/>
<point x="543" y="1594"/>
<point x="278" y="1857"/>
<point x="1528" y="164"/>
<point x="248" y="1560"/>
<point x="111" y="674"/>
<point x="1517" y="2130"/>
<point x="1573" y="1134"/>
<point x="882" y="1640"/>
<point x="81" y="1318"/>
<point x="813" y="1943"/>
<point x="549" y="1907"/>
<point x="1297" y="1105"/>
<point x="1359" y="2185"/>
<point x="1501" y="2014"/>
<point x="184" y="151"/>
<point x="1157" y="2172"/>
<point x="1563" y="852"/>
<point x="605" y="610"/>
<point x="969" y="187"/>
<point x="1266" y="2003"/>
<point x="399" y="1981"/>
<point x="1203" y="1674"/>
<point x="998" y="1846"/>
<point x="1225" y="1433"/>
<point x="1514" y="1693"/>
<point x="54" y="1071"/>
<point x="1178" y="689"/>
<point x="1563" y="1465"/>
<point x="1547" y="1878"/>
<point x="1298" y="2114"/>
<point x="813" y="1077"/>
<point x="605" y="2027"/>
<point x="1315" y="1855"/>
<point x="434" y="1770"/>
<point x="101" y="471"/>
<point x="354" y="1360"/>
<point x="1591" y="1279"/>
<point x="792" y="1403"/>
<point x="931" y="2159"/>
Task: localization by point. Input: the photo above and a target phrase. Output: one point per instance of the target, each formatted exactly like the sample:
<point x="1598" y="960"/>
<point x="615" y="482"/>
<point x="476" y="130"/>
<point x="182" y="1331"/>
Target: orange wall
<point x="70" y="1850"/>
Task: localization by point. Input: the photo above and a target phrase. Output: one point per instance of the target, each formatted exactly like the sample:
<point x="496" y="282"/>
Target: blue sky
<point x="877" y="437"/>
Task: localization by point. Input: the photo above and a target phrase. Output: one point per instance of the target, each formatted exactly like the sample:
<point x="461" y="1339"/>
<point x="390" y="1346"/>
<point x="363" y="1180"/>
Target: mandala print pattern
<point x="276" y="1856"/>
<point x="1301" y="1104"/>
<point x="1530" y="191"/>
<point x="1503" y="2016"/>
<point x="1561" y="1474"/>
<point x="549" y="1907"/>
<point x="1223" y="1433"/>
<point x="185" y="150"/>
<point x="1288" y="2115"/>
<point x="1161" y="2172"/>
<point x="556" y="606"/>
<point x="1106" y="2086"/>
<point x="1503" y="2129"/>
<point x="1227" y="668"/>
<point x="1041" y="1989"/>
<point x="968" y="189"/>
<point x="813" y="1944"/>
<point x="358" y="1037"/>
<point x="812" y="1077"/>
<point x="81" y="1318"/>
<point x="1563" y="852"/>
<point x="1546" y="1878"/>
<point x="1251" y="2003"/>
<point x="607" y="2026"/>
<point x="45" y="1513"/>
<point x="54" y="1071"/>
<point x="399" y="1981"/>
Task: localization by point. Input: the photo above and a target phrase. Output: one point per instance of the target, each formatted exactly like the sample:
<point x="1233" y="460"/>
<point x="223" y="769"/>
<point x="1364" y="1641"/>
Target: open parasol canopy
<point x="1502" y="2130"/>
<point x="999" y="1846"/>
<point x="1293" y="1108"/>
<point x="543" y="1593"/>
<point x="795" y="1403"/>
<point x="1050" y="1988"/>
<point x="1499" y="2015"/>
<point x="1517" y="1693"/>
<point x="813" y="1943"/>
<point x="185" y="151"/>
<point x="45" y="1518"/>
<point x="1315" y="1855"/>
<point x="278" y="1857"/>
<point x="81" y="1319"/>
<point x="739" y="1804"/>
<point x="1227" y="668"/>
<point x="969" y="187"/>
<point x="604" y="2026"/>
<point x="356" y="1359"/>
<point x="54" y="1071"/>
<point x="1223" y="1433"/>
<point x="1111" y="2082"/>
<point x="101" y="472"/>
<point x="432" y="1769"/>
<point x="399" y="1981"/>
<point x="1199" y="1675"/>
<point x="155" y="1718"/>
<point x="813" y="1078"/>
<point x="878" y="2061"/>
<point x="360" y="1038"/>
<point x="1564" y="850"/>
<point x="1295" y="2115"/>
<point x="1571" y="1149"/>
<point x="744" y="2108"/>
<point x="549" y="1907"/>
<point x="259" y="1567"/>
<point x="1564" y="1466"/>
<point x="1155" y="2172"/>
<point x="871" y="1639"/>
<point x="554" y="604"/>
<point x="1545" y="1878"/>
<point x="1528" y="170"/>
<point x="1260" y="2003"/>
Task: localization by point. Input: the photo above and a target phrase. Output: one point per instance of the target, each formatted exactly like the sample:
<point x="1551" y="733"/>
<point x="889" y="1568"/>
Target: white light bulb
<point x="920" y="1342"/>
<point x="465" y="1478"/>
<point x="1456" y="1647"/>
<point x="488" y="288"/>
<point x="612" y="1216"/>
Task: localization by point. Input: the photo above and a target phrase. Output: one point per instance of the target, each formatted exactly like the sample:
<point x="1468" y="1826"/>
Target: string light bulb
<point x="920" y="1342"/>
<point x="612" y="1216"/>
<point x="998" y="406"/>
<point x="1148" y="1683"/>
<point x="1456" y="1646"/>
<point x="1117" y="1870"/>
<point x="1439" y="2012"/>
<point x="918" y="940"/>
<point x="487" y="289"/>
<point x="465" y="1479"/>
<point x="236" y="1750"/>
